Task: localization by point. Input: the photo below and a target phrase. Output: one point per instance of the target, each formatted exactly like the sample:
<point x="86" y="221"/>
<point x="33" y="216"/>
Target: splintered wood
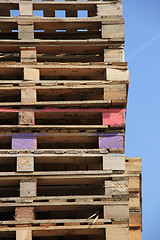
<point x="63" y="98"/>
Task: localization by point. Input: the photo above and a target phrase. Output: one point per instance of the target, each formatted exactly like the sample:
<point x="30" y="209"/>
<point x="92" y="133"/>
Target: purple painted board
<point x="24" y="142"/>
<point x="112" y="141"/>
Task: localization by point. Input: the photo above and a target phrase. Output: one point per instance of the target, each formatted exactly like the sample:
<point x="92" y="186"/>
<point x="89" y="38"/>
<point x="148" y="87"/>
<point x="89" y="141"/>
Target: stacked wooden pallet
<point x="63" y="96"/>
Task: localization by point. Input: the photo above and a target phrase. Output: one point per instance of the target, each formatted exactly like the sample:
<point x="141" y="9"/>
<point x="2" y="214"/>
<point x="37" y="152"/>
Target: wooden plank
<point x="115" y="162"/>
<point x="112" y="141"/>
<point x="25" y="9"/>
<point x="31" y="74"/>
<point x="109" y="9"/>
<point x="114" y="117"/>
<point x="48" y="12"/>
<point x="26" y="31"/>
<point x="112" y="31"/>
<point x="135" y="219"/>
<point x="28" y="188"/>
<point x="115" y="92"/>
<point x="25" y="164"/>
<point x="26" y="118"/>
<point x="113" y="55"/>
<point x="118" y="187"/>
<point x="117" y="75"/>
<point x="133" y="165"/>
<point x="28" y="54"/>
<point x="134" y="183"/>
<point x="28" y="95"/>
<point x="24" y="213"/>
<point x="23" y="234"/>
<point x="23" y="142"/>
<point x="117" y="232"/>
<point x="134" y="201"/>
<point x="134" y="234"/>
<point x="114" y="211"/>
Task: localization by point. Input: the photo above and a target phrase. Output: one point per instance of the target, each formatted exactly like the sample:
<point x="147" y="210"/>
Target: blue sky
<point x="142" y="51"/>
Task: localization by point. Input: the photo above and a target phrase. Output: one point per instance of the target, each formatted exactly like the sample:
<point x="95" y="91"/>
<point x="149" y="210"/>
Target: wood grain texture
<point x="23" y="234"/>
<point x="24" y="142"/>
<point x="121" y="211"/>
<point x="115" y="162"/>
<point x="134" y="234"/>
<point x="28" y="188"/>
<point x="24" y="213"/>
<point x="111" y="141"/>
<point x="26" y="118"/>
<point x="114" y="117"/>
<point x="25" y="164"/>
<point x="28" y="95"/>
<point x="117" y="232"/>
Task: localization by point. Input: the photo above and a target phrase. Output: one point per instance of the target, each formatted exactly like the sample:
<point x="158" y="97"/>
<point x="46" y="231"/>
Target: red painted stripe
<point x="52" y="109"/>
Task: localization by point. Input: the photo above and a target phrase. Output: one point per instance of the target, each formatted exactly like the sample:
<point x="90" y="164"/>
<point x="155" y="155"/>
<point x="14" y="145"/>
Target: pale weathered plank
<point x="117" y="232"/>
<point x="31" y="74"/>
<point x="25" y="8"/>
<point x="117" y="75"/>
<point x="28" y="54"/>
<point x="113" y="31"/>
<point x="109" y="9"/>
<point x="114" y="211"/>
<point x="25" y="164"/>
<point x="23" y="234"/>
<point x="24" y="213"/>
<point x="115" y="162"/>
<point x="26" y="118"/>
<point x="28" y="188"/>
<point x="26" y="31"/>
<point x="28" y="95"/>
<point x="113" y="55"/>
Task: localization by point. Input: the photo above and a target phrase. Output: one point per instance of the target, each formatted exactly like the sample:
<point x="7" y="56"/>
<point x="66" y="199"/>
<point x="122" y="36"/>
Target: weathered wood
<point x="135" y="219"/>
<point x="113" y="55"/>
<point x="115" y="162"/>
<point x="119" y="187"/>
<point x="134" y="183"/>
<point x="28" y="54"/>
<point x="25" y="164"/>
<point x="23" y="142"/>
<point x="117" y="232"/>
<point x="26" y="31"/>
<point x="109" y="9"/>
<point x="23" y="234"/>
<point x="82" y="78"/>
<point x="28" y="188"/>
<point x="133" y="165"/>
<point x="114" y="117"/>
<point x="111" y="141"/>
<point x="31" y="74"/>
<point x="117" y="75"/>
<point x="134" y="234"/>
<point x="28" y="95"/>
<point x="113" y="211"/>
<point x="115" y="92"/>
<point x="25" y="8"/>
<point x="112" y="31"/>
<point x="26" y="118"/>
<point x="49" y="13"/>
<point x="24" y="213"/>
<point x="134" y="201"/>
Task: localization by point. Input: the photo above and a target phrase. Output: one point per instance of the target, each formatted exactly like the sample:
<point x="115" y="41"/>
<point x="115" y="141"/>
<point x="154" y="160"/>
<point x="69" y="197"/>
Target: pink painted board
<point x="114" y="117"/>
